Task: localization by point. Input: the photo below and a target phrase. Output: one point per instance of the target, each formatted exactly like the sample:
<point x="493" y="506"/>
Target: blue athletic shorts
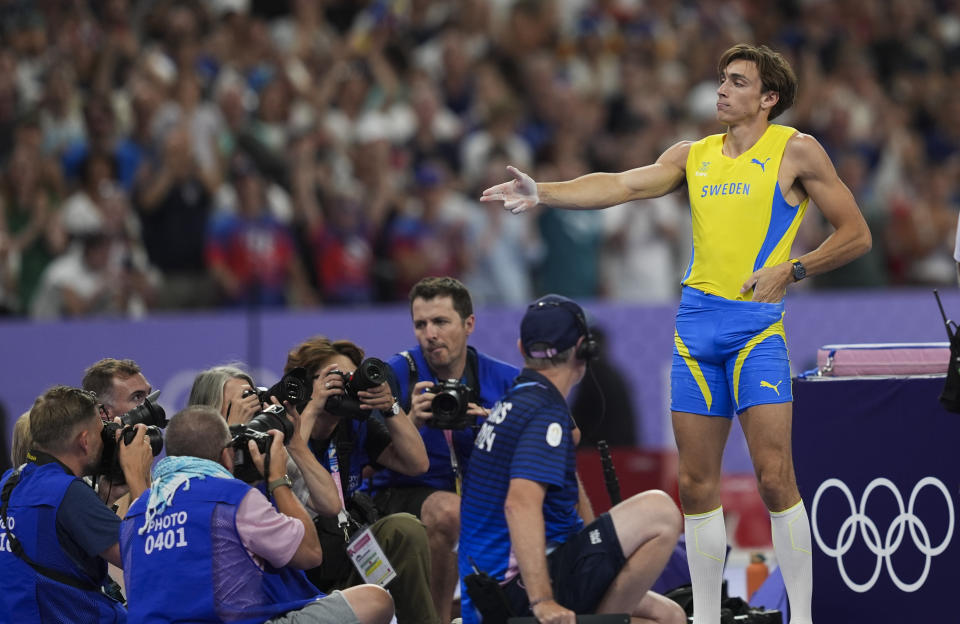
<point x="581" y="570"/>
<point x="727" y="355"/>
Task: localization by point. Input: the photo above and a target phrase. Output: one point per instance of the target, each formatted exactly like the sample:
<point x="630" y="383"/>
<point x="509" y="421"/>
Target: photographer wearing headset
<point x="205" y="546"/>
<point x="520" y="523"/>
<point x="352" y="420"/>
<point x="57" y="535"/>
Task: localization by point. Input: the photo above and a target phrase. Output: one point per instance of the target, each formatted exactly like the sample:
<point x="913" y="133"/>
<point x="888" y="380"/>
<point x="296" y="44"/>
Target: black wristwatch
<point x="799" y="271"/>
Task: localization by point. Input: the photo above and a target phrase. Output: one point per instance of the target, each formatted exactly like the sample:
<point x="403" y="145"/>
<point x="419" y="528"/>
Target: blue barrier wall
<point x="171" y="349"/>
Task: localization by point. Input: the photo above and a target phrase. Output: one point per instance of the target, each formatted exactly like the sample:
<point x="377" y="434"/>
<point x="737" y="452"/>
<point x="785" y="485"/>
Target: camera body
<point x="149" y="413"/>
<point x="272" y="417"/>
<point x="449" y="405"/>
<point x="294" y="387"/>
<point x="371" y="373"/>
<point x="110" y="458"/>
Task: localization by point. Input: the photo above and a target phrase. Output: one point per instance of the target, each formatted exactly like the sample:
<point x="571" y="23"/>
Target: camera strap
<point x="338" y="455"/>
<point x="17" y="548"/>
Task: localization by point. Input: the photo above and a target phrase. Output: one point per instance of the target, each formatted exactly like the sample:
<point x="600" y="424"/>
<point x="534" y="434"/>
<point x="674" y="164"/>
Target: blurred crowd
<point x="215" y="153"/>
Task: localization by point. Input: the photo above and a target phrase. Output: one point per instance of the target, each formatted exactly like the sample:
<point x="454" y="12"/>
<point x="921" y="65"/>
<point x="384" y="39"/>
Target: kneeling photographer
<point x="203" y="546"/>
<point x="351" y="421"/>
<point x="56" y="536"/>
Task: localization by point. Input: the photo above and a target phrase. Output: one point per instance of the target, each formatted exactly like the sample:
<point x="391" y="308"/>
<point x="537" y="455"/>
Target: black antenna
<point x="609" y="473"/>
<point x="950" y="325"/>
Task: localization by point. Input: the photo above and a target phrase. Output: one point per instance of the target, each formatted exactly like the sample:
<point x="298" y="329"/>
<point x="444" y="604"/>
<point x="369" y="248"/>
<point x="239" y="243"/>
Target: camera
<point x="149" y="413"/>
<point x="449" y="405"/>
<point x="273" y="417"/>
<point x="110" y="458"/>
<point x="371" y="373"/>
<point x="294" y="388"/>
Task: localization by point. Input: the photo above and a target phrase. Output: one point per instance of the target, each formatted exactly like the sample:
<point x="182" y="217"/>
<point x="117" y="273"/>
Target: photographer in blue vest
<point x="463" y="384"/>
<point x="57" y="535"/>
<point x="203" y="546"/>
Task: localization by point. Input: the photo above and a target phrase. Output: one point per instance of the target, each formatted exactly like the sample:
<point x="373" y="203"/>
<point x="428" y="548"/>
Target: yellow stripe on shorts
<point x="694" y="367"/>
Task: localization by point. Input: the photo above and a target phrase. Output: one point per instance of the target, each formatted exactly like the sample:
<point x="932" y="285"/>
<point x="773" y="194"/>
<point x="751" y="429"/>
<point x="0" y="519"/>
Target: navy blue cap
<point x="550" y="326"/>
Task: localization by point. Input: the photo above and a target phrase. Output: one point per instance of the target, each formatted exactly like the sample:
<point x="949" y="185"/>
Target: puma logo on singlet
<point x="762" y="164"/>
<point x="767" y="384"/>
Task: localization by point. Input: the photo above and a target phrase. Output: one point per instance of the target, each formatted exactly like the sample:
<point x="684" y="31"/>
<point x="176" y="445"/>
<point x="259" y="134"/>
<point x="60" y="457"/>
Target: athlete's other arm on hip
<point x="528" y="540"/>
<point x="805" y="170"/>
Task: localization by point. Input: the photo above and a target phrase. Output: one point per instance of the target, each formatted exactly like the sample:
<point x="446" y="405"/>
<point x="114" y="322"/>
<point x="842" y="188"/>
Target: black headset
<point x="589" y="348"/>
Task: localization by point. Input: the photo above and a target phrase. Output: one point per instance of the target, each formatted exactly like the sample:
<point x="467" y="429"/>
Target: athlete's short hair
<point x="775" y="72"/>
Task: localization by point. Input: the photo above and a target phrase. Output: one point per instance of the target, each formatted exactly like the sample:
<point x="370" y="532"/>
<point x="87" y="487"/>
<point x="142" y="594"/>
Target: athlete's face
<point x="740" y="95"/>
<point x="442" y="335"/>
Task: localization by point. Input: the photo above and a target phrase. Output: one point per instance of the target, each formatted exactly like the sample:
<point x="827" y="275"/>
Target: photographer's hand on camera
<point x="242" y="404"/>
<point x="278" y="456"/>
<point x="420" y="411"/>
<point x="136" y="458"/>
<point x="379" y="398"/>
<point x="320" y="423"/>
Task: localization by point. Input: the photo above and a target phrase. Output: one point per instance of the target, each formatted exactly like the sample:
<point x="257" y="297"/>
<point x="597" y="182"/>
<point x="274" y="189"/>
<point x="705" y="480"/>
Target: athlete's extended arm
<point x="594" y="190"/>
<point x="851" y="237"/>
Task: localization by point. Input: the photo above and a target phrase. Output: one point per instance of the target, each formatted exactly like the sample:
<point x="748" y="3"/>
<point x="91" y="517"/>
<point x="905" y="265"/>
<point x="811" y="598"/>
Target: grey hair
<point x="208" y="385"/>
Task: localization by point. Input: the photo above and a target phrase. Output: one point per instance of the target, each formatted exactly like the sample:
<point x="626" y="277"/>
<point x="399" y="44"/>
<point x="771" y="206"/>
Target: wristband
<point x="284" y="480"/>
<point x="534" y="603"/>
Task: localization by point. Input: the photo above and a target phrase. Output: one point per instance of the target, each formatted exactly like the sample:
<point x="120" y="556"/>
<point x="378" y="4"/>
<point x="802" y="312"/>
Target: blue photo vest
<point x="190" y="565"/>
<point x="27" y="596"/>
<point x="495" y="379"/>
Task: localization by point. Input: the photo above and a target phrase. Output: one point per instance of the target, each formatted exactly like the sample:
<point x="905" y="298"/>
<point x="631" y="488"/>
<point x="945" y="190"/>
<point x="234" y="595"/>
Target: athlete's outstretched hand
<point x="517" y="195"/>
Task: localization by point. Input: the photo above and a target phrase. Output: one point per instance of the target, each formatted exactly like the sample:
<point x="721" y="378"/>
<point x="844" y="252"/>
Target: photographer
<point x="346" y="435"/>
<point x="120" y="387"/>
<point x="57" y="536"/>
<point x="204" y="546"/>
<point x="443" y="320"/>
<point x="119" y="384"/>
<point x="231" y="391"/>
<point x="520" y="522"/>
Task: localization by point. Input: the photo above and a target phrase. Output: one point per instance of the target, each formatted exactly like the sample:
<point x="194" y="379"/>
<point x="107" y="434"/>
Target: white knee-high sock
<point x="791" y="544"/>
<point x="706" y="537"/>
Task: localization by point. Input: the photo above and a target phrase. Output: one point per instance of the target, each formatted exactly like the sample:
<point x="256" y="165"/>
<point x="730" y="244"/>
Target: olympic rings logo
<point x="894" y="535"/>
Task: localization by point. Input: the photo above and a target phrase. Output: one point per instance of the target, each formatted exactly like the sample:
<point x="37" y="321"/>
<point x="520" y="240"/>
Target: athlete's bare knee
<point x="696" y="489"/>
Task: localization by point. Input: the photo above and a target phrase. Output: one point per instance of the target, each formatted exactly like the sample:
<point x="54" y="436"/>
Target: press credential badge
<point x="369" y="560"/>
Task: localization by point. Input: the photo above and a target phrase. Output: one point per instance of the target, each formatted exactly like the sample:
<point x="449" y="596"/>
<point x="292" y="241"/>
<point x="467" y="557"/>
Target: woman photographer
<point x="233" y="393"/>
<point x="362" y="427"/>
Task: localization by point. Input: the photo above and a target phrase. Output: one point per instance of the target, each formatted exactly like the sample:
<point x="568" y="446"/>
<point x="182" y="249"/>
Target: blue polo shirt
<point x="495" y="378"/>
<point x="528" y="435"/>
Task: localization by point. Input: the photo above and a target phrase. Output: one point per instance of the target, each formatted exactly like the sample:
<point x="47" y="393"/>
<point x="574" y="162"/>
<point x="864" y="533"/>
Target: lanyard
<point x="343" y="519"/>
<point x="457" y="477"/>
